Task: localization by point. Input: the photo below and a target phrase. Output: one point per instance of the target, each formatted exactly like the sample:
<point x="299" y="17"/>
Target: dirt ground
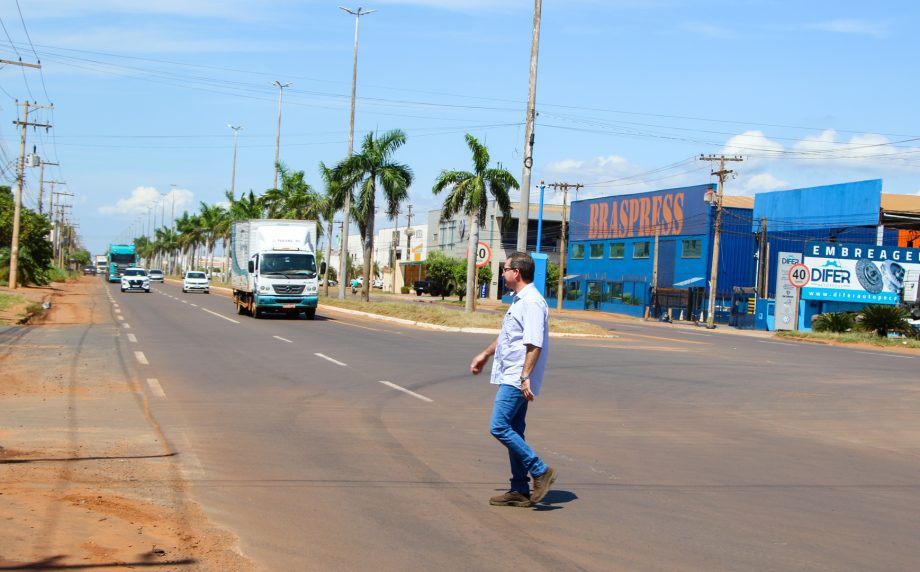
<point x="71" y="499"/>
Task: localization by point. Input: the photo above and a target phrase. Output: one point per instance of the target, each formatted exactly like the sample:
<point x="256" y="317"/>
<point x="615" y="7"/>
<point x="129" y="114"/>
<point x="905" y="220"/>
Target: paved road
<point x="677" y="449"/>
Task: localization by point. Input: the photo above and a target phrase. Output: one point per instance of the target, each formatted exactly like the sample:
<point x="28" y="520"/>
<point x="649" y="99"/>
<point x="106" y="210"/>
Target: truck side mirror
<point x="322" y="268"/>
<point x="252" y="267"/>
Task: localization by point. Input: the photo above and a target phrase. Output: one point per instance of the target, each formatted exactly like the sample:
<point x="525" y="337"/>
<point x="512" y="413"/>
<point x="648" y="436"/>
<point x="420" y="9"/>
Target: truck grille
<point x="288" y="288"/>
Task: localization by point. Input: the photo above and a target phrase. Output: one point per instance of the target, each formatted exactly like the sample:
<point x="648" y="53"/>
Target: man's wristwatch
<point x="524" y="378"/>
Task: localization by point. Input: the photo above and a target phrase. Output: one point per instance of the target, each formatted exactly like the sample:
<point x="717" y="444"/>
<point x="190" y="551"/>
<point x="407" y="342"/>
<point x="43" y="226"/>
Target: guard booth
<point x="677" y="302"/>
<point x="744" y="302"/>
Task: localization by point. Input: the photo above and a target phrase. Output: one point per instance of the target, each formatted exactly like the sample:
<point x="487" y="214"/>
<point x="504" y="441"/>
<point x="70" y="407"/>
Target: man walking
<point x="520" y="353"/>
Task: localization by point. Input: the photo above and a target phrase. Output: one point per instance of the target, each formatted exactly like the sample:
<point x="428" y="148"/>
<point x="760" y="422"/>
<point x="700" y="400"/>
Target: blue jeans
<point x="508" y="414"/>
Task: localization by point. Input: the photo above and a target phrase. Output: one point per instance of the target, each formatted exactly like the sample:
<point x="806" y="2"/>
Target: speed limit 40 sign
<point x="799" y="275"/>
<point x="483" y="254"/>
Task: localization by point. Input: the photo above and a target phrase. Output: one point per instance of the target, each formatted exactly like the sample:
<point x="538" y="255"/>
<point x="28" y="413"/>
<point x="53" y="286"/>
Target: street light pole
<point x="281" y="87"/>
<point x="343" y="253"/>
<point x="236" y="132"/>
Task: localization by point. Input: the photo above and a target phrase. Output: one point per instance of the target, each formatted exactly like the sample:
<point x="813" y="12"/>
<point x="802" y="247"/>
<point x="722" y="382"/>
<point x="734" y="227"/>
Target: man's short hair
<point x="523" y="262"/>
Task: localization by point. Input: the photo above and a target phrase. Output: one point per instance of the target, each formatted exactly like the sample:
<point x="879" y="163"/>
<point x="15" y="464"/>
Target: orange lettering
<point x="614" y="231"/>
<point x="624" y="230"/>
<point x="645" y="210"/>
<point x="656" y="213"/>
<point x="602" y="220"/>
<point x="592" y="222"/>
<point x="633" y="215"/>
<point x="678" y="213"/>
<point x="666" y="215"/>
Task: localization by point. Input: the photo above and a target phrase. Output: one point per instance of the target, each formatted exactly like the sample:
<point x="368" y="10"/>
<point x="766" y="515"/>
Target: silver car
<point x="195" y="281"/>
<point x="155" y="274"/>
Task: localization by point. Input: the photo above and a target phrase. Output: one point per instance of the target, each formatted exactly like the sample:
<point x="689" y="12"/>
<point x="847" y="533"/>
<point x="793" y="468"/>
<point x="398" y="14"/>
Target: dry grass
<point x="853" y="338"/>
<point x="10" y="300"/>
<point x="443" y="315"/>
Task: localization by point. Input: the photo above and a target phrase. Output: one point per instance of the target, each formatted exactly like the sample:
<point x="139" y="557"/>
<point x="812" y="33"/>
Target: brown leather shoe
<point x="542" y="484"/>
<point x="511" y="498"/>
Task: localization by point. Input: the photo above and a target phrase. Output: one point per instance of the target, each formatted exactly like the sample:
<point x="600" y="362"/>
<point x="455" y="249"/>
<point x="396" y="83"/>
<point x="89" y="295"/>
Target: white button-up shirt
<point x="526" y="322"/>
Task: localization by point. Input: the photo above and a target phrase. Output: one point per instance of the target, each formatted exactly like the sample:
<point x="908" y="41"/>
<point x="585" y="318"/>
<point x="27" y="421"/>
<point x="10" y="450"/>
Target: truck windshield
<point x="299" y="265"/>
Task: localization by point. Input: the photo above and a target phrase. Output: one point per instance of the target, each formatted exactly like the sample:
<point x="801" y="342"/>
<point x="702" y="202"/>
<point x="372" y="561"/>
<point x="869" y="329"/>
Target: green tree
<point x="35" y="252"/>
<point x="469" y="194"/>
<point x="884" y="318"/>
<point x="364" y="171"/>
<point x="440" y="267"/>
<point x="332" y="201"/>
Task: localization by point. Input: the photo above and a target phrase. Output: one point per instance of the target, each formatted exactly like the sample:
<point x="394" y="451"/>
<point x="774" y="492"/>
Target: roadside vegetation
<point x="871" y="326"/>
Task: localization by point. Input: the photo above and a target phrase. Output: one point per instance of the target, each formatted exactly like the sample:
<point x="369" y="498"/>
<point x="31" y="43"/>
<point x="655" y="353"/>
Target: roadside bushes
<point x="877" y="318"/>
<point x="836" y="322"/>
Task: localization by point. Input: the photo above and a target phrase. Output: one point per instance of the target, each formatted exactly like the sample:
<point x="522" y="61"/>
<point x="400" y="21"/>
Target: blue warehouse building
<point x="652" y="252"/>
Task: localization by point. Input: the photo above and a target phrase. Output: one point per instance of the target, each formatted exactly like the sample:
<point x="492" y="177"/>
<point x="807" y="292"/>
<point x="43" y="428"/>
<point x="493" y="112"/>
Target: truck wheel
<point x="311" y="313"/>
<point x="240" y="309"/>
<point x="417" y="293"/>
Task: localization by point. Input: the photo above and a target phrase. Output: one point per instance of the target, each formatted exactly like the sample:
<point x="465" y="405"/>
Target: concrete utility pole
<point x="528" y="130"/>
<point x="722" y="173"/>
<point x="20" y="181"/>
<point x="236" y="132"/>
<point x="281" y="87"/>
<point x="409" y="234"/>
<point x="41" y="183"/>
<point x="565" y="197"/>
<point x="343" y="254"/>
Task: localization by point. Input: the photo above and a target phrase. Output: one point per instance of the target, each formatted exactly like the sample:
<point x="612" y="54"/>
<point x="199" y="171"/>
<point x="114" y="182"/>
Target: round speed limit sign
<point x="483" y="254"/>
<point x="799" y="275"/>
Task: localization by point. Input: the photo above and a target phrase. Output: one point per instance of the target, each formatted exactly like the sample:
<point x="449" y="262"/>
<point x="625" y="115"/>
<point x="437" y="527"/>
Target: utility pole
<point x="281" y="87"/>
<point x="763" y="260"/>
<point x="41" y="183"/>
<point x="722" y="173"/>
<point x="20" y="181"/>
<point x="655" y="276"/>
<point x="351" y="141"/>
<point x="565" y="197"/>
<point x="408" y="237"/>
<point x="236" y="132"/>
<point x="394" y="242"/>
<point x="528" y="130"/>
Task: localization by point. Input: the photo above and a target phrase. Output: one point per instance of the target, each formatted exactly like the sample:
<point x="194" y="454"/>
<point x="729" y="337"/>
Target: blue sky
<point x="629" y="94"/>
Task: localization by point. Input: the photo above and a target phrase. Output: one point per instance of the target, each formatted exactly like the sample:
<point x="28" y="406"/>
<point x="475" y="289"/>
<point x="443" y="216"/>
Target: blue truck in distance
<point x="119" y="257"/>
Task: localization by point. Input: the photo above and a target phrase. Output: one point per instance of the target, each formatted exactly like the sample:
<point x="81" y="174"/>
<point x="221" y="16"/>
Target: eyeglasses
<point x="507" y="268"/>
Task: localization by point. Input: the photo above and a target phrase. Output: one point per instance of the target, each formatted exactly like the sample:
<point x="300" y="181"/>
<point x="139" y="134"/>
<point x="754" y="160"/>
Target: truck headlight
<point x="264" y="288"/>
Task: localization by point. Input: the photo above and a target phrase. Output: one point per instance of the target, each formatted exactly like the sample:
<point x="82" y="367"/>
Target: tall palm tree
<point x="331" y="202"/>
<point x="363" y="172"/>
<point x="212" y="218"/>
<point x="469" y="194"/>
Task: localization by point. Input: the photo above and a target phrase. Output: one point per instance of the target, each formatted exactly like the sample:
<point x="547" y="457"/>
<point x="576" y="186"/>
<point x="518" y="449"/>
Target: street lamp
<point x="281" y="87"/>
<point x="236" y="132"/>
<point x="343" y="255"/>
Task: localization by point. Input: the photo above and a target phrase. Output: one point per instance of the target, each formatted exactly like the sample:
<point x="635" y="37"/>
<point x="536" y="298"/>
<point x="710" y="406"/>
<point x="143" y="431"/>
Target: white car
<point x="377" y="283"/>
<point x="196" y="281"/>
<point x="135" y="279"/>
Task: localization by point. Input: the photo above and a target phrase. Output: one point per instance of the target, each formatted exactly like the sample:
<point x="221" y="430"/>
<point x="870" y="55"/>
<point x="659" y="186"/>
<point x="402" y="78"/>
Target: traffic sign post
<point x="483" y="254"/>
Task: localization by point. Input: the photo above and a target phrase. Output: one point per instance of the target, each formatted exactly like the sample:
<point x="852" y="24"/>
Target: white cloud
<point x="142" y="198"/>
<point x="754" y="145"/>
<point x="853" y="27"/>
<point x="758" y="183"/>
<point x="612" y="175"/>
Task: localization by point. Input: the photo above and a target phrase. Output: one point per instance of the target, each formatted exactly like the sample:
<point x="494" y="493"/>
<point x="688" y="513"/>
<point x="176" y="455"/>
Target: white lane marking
<point x="117" y="310"/>
<point x="141" y="358"/>
<point x="126" y="325"/>
<point x="194" y="305"/>
<point x="120" y="317"/>
<point x="155" y="387"/>
<point x="219" y="316"/>
<point x="335" y="361"/>
<point x="185" y="301"/>
<point x="404" y="390"/>
<point x="282" y="339"/>
<point x="355" y="326"/>
<point x="696" y="334"/>
<point x="132" y="338"/>
<point x="880" y="354"/>
<point x="779" y="343"/>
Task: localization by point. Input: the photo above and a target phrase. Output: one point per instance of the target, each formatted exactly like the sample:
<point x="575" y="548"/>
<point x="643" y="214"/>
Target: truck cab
<point x="284" y="282"/>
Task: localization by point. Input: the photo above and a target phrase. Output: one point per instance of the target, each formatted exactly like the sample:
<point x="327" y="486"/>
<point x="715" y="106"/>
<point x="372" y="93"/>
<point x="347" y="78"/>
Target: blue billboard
<point x="863" y="273"/>
<point x="672" y="212"/>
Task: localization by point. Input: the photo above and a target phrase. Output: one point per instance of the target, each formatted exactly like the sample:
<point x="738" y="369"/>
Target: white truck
<point x="273" y="267"/>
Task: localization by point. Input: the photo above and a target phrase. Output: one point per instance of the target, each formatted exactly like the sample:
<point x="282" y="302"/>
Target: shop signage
<point x="858" y="272"/>
<point x="787" y="294"/>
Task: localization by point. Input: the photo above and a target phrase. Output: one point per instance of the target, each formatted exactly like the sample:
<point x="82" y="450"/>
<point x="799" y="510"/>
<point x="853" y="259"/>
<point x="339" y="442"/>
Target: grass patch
<point x="447" y="316"/>
<point x="10" y="300"/>
<point x="854" y="338"/>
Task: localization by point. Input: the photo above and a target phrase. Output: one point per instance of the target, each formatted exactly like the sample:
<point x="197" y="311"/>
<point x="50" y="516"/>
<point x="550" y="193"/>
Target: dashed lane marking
<point x="132" y="338"/>
<point x="120" y="317"/>
<point x="355" y="326"/>
<point x="404" y="390"/>
<point x="283" y="339"/>
<point x="220" y="316"/>
<point x="155" y="387"/>
<point x="126" y="325"/>
<point x="884" y="355"/>
<point x="194" y="305"/>
<point x="141" y="358"/>
<point x="335" y="361"/>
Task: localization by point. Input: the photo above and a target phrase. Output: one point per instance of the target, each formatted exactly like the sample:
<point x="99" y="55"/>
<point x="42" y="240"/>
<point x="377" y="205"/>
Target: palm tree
<point x="469" y="194"/>
<point x="212" y="219"/>
<point x="363" y="172"/>
<point x="332" y="201"/>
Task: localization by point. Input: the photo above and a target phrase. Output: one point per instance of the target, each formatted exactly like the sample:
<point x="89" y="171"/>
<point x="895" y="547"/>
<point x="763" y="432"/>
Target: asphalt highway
<point x="347" y="443"/>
